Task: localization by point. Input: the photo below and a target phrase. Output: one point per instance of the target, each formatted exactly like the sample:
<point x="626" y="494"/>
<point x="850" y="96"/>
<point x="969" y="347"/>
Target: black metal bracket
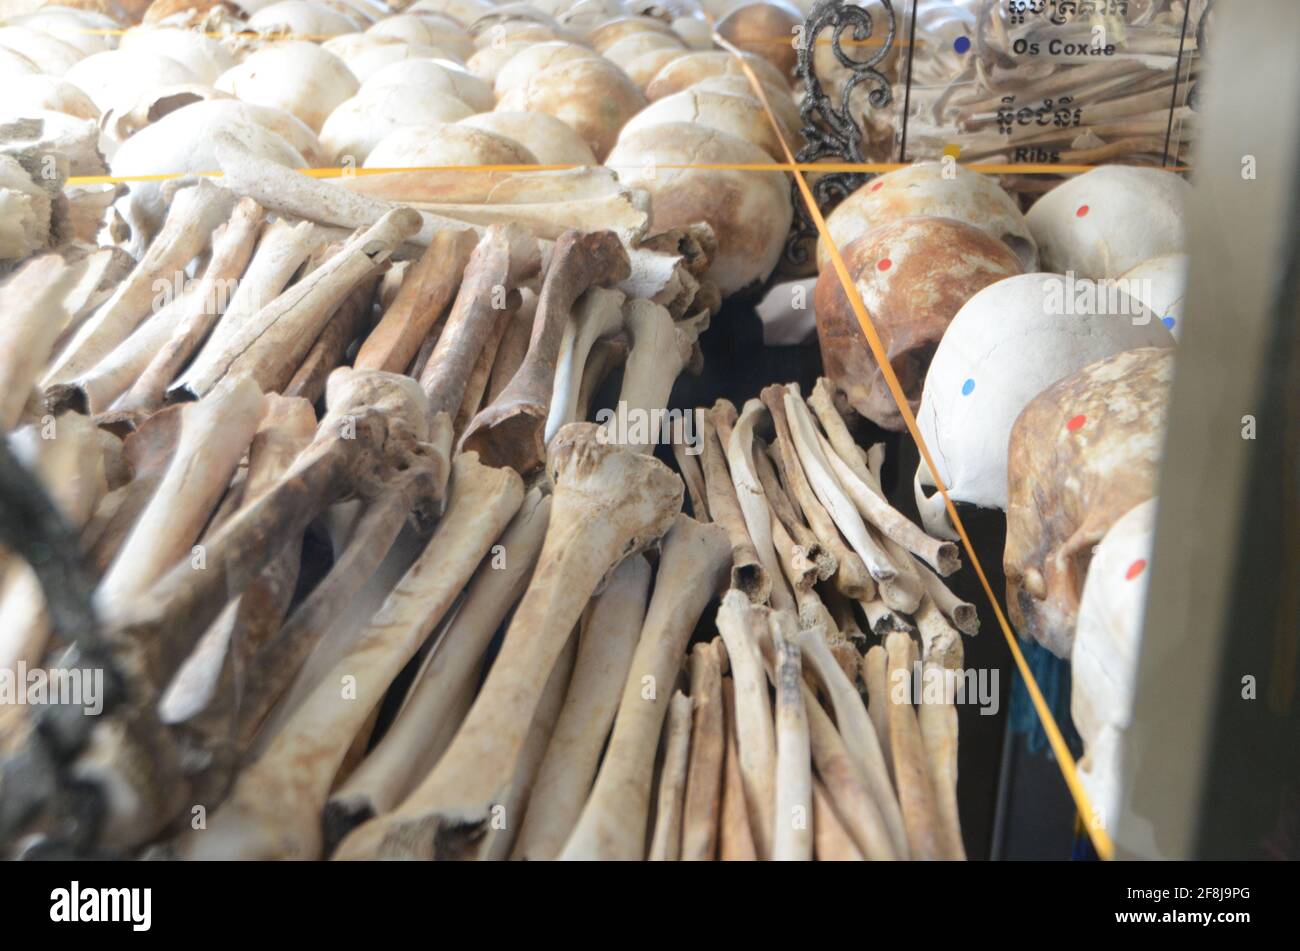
<point x="830" y="130"/>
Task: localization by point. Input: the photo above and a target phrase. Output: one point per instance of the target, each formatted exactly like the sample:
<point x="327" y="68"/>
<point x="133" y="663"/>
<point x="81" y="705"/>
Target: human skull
<point x="1083" y="452"/>
<point x="1109" y="220"/>
<point x="1005" y="346"/>
<point x="1107" y="641"/>
<point x="942" y="190"/>
<point x="913" y="274"/>
<point x="748" y="210"/>
<point x="1161" y="284"/>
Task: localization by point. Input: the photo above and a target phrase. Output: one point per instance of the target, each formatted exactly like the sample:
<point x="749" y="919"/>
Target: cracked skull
<point x="933" y="189"/>
<point x="1083" y="452"/>
<point x="914" y="275"/>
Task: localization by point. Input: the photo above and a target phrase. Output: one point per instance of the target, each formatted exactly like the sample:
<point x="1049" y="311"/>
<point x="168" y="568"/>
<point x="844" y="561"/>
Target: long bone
<point x="232" y="248"/>
<point x="783" y="510"/>
<point x="858" y="733"/>
<point x="145" y="455"/>
<point x="248" y="621"/>
<point x="851" y="575"/>
<point x="425" y="291"/>
<point x="792" y="839"/>
<point x="535" y="744"/>
<point x="195" y="209"/>
<point x="753" y="504"/>
<point x="798" y="570"/>
<point x="286" y="192"/>
<point x="755" y="734"/>
<point x="846" y="621"/>
<point x="900" y="538"/>
<point x="961" y="613"/>
<point x="864" y="490"/>
<point x="701" y="810"/>
<point x="847" y="789"/>
<point x="274" y="341"/>
<point x="831" y="841"/>
<point x="608" y="504"/>
<point x="275" y="806"/>
<point x="937" y="720"/>
<point x="221" y="745"/>
<point x="476" y="383"/>
<point x="661" y="348"/>
<point x="832" y="496"/>
<point x="488" y="294"/>
<point x="875" y="674"/>
<point x="598" y="313"/>
<point x="96" y="390"/>
<point x="735" y="835"/>
<point x="377" y="433"/>
<point x="925" y="831"/>
<point x="608" y="640"/>
<point x="445" y="684"/>
<point x="666" y="840"/>
<point x="510" y="430"/>
<point x="882" y="619"/>
<point x="688" y="466"/>
<point x="801" y="574"/>
<point x="281" y="251"/>
<point x="747" y="572"/>
<point x="213" y="437"/>
<point x="331" y="347"/>
<point x="608" y="355"/>
<point x="692" y="569"/>
<point x="510" y="355"/>
<point x="33" y="304"/>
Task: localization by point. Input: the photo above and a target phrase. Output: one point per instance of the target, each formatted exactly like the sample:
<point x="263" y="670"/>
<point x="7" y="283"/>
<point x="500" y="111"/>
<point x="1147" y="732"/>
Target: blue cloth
<point x="1053" y="676"/>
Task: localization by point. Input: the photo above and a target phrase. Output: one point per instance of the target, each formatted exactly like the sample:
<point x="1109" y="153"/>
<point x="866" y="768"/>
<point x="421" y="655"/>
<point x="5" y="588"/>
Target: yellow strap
<point x="1069" y="771"/>
<point x="792" y="166"/>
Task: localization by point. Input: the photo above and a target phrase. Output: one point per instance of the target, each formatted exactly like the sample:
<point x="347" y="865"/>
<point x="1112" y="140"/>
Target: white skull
<point x="1104" y="659"/>
<point x="941" y="190"/>
<point x="1161" y="284"/>
<point x="1008" y="343"/>
<point x="1109" y="220"/>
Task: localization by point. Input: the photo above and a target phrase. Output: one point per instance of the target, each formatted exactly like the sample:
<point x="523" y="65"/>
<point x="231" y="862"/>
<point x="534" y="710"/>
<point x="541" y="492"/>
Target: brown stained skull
<point x="914" y="274"/>
<point x="1082" y="453"/>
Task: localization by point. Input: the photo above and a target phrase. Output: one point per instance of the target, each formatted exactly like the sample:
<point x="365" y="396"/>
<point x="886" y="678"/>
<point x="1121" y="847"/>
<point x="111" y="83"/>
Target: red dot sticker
<point x="1083" y="211"/>
<point x="884" y="264"/>
<point x="1076" y="423"/>
<point x="1135" y="569"/>
<point x="877" y="186"/>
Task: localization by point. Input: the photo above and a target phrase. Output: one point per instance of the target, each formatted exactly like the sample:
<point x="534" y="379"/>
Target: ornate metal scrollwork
<point x="829" y="128"/>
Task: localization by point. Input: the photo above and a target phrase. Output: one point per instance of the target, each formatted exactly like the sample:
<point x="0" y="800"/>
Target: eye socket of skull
<point x="913" y="274"/>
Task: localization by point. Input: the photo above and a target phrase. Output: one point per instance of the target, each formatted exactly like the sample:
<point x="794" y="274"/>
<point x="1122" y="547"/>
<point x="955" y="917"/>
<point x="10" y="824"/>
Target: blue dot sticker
<point x="1168" y="322"/>
<point x="967" y="387"/>
<point x="961" y="44"/>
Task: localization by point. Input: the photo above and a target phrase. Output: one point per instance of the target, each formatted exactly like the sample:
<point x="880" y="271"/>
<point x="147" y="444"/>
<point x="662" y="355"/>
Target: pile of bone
<point x="1036" y="353"/>
<point x="972" y="82"/>
<point x="350" y="85"/>
<point x="812" y="553"/>
<point x="245" y="554"/>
